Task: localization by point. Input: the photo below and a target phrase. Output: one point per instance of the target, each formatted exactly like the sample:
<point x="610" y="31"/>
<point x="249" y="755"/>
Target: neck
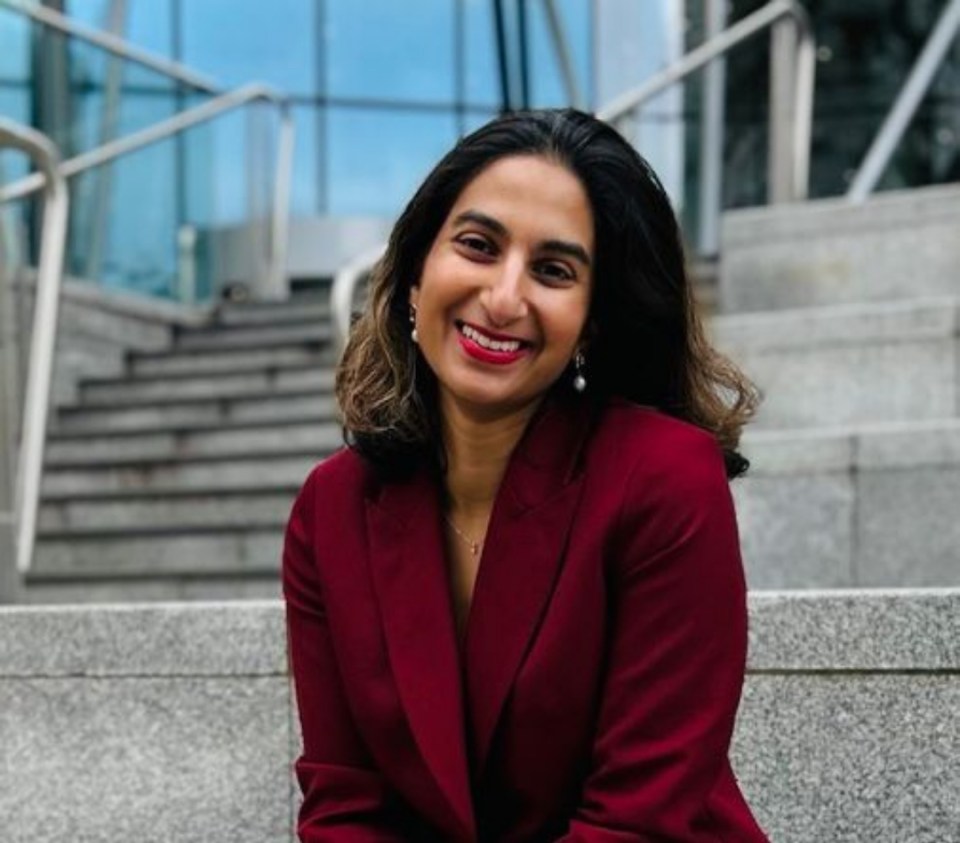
<point x="477" y="454"/>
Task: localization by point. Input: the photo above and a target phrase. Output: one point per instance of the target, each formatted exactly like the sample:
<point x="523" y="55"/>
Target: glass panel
<point x="378" y="157"/>
<point x="546" y="79"/>
<point x="388" y="50"/>
<point x="123" y="215"/>
<point x="475" y="119"/>
<point x="15" y="55"/>
<point x="305" y="196"/>
<point x="237" y="41"/>
<point x="148" y="25"/>
<point x="481" y="68"/>
<point x="14" y="105"/>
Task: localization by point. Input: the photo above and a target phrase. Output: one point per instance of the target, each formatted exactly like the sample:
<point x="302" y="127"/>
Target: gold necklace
<point x="473" y="545"/>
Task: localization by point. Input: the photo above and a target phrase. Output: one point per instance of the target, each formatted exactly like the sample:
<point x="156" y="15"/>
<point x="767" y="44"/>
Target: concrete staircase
<point x="848" y="318"/>
<point x="174" y="479"/>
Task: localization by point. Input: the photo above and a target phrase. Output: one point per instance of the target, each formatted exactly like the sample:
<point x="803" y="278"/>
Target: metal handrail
<point x="907" y="102"/>
<point x="343" y="288"/>
<point x="113" y="44"/>
<point x="803" y="81"/>
<point x="344" y="283"/>
<point x="179" y="123"/>
<point x="36" y="404"/>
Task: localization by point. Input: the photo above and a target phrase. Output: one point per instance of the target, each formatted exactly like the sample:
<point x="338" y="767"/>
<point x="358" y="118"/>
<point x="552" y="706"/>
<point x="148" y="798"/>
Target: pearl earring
<point x="579" y="381"/>
<point x="413" y="321"/>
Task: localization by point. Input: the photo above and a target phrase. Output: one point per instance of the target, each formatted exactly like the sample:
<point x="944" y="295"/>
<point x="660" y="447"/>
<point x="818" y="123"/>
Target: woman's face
<point x="503" y="297"/>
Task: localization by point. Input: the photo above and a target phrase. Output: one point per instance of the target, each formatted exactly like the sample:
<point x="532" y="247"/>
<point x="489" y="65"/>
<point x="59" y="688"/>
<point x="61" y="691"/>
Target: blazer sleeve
<point x="676" y="661"/>
<point x="345" y="798"/>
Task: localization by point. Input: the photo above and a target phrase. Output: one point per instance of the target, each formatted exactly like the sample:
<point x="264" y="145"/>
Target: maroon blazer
<point x="596" y="692"/>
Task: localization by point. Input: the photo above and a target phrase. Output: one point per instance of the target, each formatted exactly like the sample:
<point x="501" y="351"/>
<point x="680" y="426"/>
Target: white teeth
<point x="485" y="342"/>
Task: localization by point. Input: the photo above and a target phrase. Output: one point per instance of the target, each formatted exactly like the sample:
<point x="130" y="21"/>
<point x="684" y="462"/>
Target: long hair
<point x="645" y="339"/>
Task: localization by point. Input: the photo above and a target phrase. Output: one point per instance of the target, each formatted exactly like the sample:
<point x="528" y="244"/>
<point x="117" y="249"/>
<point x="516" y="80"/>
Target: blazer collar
<point x="524" y="544"/>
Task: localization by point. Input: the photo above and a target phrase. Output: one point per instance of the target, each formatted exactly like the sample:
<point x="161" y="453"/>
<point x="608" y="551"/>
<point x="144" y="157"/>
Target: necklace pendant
<point x="474" y="548"/>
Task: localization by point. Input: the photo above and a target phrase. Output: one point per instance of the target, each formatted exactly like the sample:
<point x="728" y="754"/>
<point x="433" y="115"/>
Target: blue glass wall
<point x="380" y="90"/>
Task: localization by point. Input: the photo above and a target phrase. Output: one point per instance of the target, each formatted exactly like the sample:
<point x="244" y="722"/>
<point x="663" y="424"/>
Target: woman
<point x="515" y="602"/>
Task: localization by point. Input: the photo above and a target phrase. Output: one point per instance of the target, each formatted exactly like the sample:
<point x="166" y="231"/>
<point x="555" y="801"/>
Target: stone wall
<point x="175" y="721"/>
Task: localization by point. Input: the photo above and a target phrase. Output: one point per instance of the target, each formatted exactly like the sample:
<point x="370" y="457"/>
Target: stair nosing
<point x="150" y="462"/>
<point x="136" y="531"/>
<point x="178" y="429"/>
<point x="85" y="576"/>
<point x="261" y="368"/>
<point x="108" y="495"/>
<point x="308" y="344"/>
<point x="191" y="401"/>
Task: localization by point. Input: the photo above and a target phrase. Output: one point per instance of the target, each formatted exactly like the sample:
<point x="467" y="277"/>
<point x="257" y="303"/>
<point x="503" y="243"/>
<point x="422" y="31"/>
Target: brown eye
<point x="556" y="273"/>
<point x="476" y="244"/>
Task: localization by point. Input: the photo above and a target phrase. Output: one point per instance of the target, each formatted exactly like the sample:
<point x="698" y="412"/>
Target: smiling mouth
<point x="504" y="346"/>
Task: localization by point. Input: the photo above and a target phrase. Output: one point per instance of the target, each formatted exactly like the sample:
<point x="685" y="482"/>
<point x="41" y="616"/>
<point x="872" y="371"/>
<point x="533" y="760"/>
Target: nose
<point x="503" y="298"/>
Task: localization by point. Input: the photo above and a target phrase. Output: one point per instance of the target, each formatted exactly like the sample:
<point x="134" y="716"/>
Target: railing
<point x="112" y="44"/>
<point x="907" y="102"/>
<point x="39" y="377"/>
<point x="790" y="132"/>
<point x="790" y="128"/>
<point x="276" y="263"/>
<point x="117" y="46"/>
<point x="36" y="404"/>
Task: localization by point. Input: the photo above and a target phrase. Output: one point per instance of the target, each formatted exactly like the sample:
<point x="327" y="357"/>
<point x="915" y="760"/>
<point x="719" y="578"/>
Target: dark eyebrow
<point x="573" y="250"/>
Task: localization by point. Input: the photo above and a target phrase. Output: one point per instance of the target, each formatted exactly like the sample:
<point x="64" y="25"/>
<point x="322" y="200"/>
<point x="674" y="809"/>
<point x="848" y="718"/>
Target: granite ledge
<point x="762" y="226"/>
<point x="856" y="630"/>
<point x="869" y="630"/>
<point x="156" y="639"/>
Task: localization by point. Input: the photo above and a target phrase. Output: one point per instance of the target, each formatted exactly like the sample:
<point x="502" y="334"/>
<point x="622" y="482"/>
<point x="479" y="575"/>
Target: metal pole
<point x="522" y="51"/>
<point x="43" y="339"/>
<point x="909" y="98"/>
<point x="783" y="52"/>
<point x="9" y="400"/>
<point x="280" y="228"/>
<point x="711" y="139"/>
<point x="500" y="26"/>
<point x="98" y="214"/>
<point x="561" y="47"/>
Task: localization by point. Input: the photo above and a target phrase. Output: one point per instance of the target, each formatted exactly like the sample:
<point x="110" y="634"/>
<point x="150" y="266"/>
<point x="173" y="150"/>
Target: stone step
<point x="212" y="507"/>
<point x="235" y="471"/>
<point x="155" y="550"/>
<point x="135" y="390"/>
<point x="209" y="441"/>
<point x="898" y="244"/>
<point x="316" y="309"/>
<point x="865" y="506"/>
<point x="849" y="364"/>
<point x="107" y="587"/>
<point x="263" y="407"/>
<point x="218" y="338"/>
<point x="199" y="362"/>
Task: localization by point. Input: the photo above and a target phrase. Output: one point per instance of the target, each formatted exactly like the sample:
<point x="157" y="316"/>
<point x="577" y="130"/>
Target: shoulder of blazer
<point x="336" y="484"/>
<point x="638" y="437"/>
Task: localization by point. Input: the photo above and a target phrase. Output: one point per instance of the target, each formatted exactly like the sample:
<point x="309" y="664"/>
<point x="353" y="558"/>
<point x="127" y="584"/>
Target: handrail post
<point x="783" y="59"/>
<point x="710" y="200"/>
<point x="280" y="219"/>
<point x="9" y="371"/>
<point x="43" y="339"/>
<point x="909" y="98"/>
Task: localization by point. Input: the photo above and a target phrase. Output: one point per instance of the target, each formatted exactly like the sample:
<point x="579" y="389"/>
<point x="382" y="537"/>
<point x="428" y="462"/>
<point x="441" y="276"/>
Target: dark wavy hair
<point x="645" y="339"/>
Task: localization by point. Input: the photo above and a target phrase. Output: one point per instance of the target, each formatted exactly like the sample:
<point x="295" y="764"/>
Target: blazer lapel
<point x="408" y="568"/>
<point x="525" y="543"/>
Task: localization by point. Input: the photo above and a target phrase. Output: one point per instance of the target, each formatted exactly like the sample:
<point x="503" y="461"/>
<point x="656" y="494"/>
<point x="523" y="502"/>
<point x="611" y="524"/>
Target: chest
<point x="463" y="566"/>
